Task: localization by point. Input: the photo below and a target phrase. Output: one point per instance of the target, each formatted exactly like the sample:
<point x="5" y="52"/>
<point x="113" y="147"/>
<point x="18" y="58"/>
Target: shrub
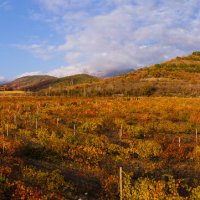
<point x="196" y="53"/>
<point x="145" y="188"/>
<point x="148" y="149"/>
<point x="195" y="193"/>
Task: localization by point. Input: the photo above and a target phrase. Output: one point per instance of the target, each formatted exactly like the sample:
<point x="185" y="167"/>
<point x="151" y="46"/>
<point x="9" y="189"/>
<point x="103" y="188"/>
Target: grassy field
<point x="3" y="93"/>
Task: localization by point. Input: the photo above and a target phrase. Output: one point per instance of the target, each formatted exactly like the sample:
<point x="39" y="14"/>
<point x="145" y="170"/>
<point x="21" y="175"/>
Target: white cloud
<point x="67" y="71"/>
<point x="2" y="78"/>
<point x="52" y="5"/>
<point x="5" y="5"/>
<point x="42" y="51"/>
<point x="58" y="6"/>
<point x="29" y="74"/>
<point x="107" y="35"/>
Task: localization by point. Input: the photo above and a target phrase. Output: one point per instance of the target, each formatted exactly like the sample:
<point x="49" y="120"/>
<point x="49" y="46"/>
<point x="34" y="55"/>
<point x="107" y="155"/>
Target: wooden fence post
<point x="196" y="136"/>
<point x="36" y="124"/>
<point x="121" y="132"/>
<point x="57" y="121"/>
<point x="7" y="131"/>
<point x="120" y="183"/>
<point x="3" y="148"/>
<point x="74" y="129"/>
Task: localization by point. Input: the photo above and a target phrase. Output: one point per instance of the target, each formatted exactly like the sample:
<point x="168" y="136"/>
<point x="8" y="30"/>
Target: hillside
<point x="73" y="80"/>
<point x="46" y="83"/>
<point x="31" y="82"/>
<point x="177" y="77"/>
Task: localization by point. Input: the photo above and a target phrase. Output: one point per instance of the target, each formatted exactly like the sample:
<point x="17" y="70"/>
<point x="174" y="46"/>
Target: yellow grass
<point x="12" y="92"/>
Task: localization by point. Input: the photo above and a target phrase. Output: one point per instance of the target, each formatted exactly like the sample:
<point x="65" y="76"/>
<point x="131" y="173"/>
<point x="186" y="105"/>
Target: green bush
<point x="196" y="193"/>
<point x="148" y="149"/>
<point x="53" y="181"/>
<point x="145" y="188"/>
<point x="196" y="53"/>
<point x="135" y="132"/>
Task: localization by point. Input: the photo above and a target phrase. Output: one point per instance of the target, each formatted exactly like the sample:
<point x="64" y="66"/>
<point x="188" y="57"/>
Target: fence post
<point x="120" y="183"/>
<point x="7" y="132"/>
<point x="36" y="124"/>
<point x="196" y="136"/>
<point x="58" y="121"/>
<point x="3" y="148"/>
<point x="121" y="132"/>
<point x="74" y="129"/>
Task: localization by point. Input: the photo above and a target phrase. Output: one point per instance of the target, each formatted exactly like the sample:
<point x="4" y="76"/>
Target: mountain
<point x="177" y="77"/>
<point x="3" y="82"/>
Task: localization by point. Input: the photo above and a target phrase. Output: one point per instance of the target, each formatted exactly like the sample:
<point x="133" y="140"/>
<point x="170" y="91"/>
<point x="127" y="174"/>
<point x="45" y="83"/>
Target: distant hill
<point x="177" y="77"/>
<point x="114" y="73"/>
<point x="2" y="82"/>
<point x="61" y="85"/>
<point x="74" y="80"/>
<point x="31" y="82"/>
<point x="46" y="83"/>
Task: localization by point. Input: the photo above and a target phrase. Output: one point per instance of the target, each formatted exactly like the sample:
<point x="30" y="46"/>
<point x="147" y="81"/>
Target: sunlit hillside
<point x="177" y="77"/>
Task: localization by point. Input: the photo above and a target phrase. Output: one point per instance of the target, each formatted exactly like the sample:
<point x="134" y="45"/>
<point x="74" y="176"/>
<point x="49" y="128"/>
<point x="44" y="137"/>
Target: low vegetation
<point x="72" y="148"/>
<point x="67" y="138"/>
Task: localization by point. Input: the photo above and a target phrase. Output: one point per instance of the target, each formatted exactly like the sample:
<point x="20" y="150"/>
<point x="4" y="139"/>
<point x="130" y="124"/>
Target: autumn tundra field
<point x="74" y="148"/>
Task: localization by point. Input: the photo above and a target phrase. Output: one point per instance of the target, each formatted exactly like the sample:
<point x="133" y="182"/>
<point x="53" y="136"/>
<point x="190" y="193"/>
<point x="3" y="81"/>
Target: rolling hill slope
<point x="177" y="77"/>
<point x="31" y="82"/>
<point x="44" y="83"/>
<point x="74" y="80"/>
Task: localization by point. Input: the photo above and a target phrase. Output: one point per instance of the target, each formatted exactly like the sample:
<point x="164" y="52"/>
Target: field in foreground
<point x="5" y="93"/>
<point x="72" y="148"/>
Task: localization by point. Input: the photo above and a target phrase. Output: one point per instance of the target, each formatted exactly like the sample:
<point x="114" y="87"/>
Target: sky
<point x="65" y="37"/>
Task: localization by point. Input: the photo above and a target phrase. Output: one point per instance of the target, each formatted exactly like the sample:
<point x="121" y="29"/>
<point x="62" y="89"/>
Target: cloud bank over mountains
<point x="108" y="35"/>
<point x="3" y="79"/>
